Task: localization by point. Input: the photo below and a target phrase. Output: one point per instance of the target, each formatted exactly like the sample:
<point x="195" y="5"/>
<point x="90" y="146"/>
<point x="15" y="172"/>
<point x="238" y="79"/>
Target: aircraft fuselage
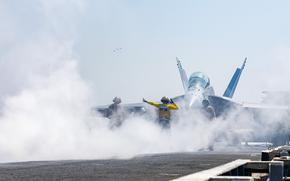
<point x="199" y="89"/>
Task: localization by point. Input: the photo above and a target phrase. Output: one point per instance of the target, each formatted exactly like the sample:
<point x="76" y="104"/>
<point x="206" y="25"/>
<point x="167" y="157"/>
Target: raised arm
<point x="152" y="103"/>
<point x="173" y="105"/>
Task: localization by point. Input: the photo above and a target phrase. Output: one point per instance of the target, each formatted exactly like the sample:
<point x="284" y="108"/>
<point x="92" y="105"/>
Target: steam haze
<point x="57" y="61"/>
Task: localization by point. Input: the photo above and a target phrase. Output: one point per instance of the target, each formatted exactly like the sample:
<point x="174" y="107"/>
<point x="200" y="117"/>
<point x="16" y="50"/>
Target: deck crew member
<point x="164" y="110"/>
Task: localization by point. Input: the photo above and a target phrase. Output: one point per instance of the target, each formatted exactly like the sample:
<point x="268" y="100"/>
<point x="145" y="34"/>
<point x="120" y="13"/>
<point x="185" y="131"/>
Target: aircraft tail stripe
<point x="230" y="91"/>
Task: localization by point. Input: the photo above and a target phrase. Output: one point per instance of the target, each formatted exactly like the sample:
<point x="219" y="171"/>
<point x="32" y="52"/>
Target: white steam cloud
<point x="46" y="105"/>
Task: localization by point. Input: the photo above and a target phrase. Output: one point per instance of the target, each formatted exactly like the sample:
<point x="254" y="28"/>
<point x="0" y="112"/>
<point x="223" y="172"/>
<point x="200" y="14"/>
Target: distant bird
<point x="117" y="50"/>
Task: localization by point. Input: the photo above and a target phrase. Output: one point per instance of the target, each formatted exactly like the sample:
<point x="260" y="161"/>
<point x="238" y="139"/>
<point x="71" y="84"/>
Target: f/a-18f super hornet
<point x="199" y="94"/>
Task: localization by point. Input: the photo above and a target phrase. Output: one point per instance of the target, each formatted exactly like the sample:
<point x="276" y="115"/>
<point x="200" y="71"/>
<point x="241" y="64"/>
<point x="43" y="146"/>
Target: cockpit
<point x="198" y="79"/>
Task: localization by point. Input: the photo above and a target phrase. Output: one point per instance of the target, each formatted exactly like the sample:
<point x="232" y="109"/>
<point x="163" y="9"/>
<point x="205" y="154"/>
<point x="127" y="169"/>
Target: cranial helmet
<point x="164" y="100"/>
<point x="117" y="100"/>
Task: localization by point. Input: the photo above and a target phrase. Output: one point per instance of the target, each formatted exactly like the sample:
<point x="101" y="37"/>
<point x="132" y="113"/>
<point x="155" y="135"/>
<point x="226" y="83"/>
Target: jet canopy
<point x="198" y="79"/>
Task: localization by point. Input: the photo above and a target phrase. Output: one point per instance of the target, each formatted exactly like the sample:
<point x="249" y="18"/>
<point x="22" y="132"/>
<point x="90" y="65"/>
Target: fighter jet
<point x="198" y="90"/>
<point x="199" y="94"/>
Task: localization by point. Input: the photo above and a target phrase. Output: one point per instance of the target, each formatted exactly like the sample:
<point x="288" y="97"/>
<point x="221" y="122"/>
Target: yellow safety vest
<point x="164" y="109"/>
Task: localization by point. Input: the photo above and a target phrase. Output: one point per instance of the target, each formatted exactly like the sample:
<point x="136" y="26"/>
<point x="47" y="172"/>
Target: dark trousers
<point x="164" y="122"/>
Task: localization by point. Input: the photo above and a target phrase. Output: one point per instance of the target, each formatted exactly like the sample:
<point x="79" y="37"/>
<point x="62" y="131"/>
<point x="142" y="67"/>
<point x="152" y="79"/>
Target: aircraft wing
<point x="135" y="107"/>
<point x="224" y="104"/>
<point x="138" y="108"/>
<point x="178" y="98"/>
<point x="256" y="108"/>
<point x="259" y="106"/>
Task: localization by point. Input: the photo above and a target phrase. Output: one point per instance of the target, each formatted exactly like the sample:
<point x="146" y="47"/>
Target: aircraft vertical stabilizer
<point x="183" y="75"/>
<point x="234" y="81"/>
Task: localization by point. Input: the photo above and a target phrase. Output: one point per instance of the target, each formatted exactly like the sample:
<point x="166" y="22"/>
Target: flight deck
<point x="147" y="167"/>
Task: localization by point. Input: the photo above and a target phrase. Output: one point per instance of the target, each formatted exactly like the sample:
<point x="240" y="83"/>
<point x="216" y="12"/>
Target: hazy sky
<point x="209" y="36"/>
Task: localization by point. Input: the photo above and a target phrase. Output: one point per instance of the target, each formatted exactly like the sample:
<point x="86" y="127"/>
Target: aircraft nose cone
<point x="194" y="102"/>
<point x="196" y="98"/>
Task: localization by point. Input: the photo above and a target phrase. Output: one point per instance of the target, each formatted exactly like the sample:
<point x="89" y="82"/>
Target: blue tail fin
<point x="234" y="81"/>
